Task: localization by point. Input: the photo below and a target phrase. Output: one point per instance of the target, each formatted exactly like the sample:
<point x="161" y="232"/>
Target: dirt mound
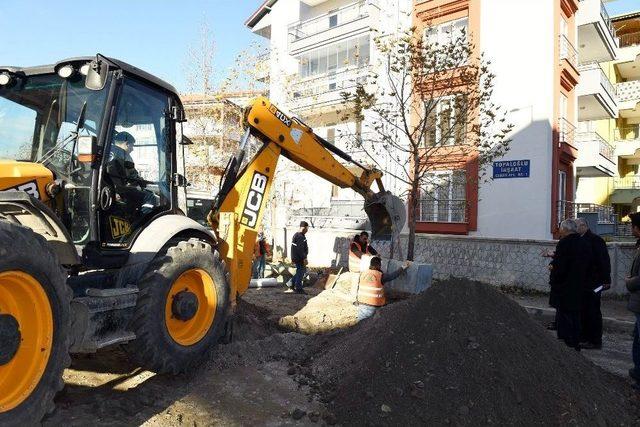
<point x="463" y="353"/>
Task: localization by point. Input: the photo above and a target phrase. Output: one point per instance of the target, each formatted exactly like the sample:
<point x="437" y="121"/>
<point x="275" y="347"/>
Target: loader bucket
<point x="387" y="214"/>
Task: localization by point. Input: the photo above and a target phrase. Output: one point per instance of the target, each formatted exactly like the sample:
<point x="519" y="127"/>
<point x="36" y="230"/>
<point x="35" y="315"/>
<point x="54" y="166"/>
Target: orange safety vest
<point x="354" y="259"/>
<point x="370" y="288"/>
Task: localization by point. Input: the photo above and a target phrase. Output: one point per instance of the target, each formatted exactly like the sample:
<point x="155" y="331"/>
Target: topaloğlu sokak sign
<point x="511" y="169"/>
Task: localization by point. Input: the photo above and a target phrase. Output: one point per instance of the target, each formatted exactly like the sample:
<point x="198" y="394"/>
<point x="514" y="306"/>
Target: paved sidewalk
<point x="615" y="316"/>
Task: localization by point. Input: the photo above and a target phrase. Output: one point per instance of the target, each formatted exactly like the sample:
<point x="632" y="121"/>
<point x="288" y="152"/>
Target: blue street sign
<point x="511" y="169"/>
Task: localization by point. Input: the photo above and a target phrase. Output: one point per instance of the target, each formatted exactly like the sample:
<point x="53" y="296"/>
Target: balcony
<point x="596" y="33"/>
<point x="627" y="183"/>
<point x="568" y="52"/>
<point x="630" y="39"/>
<point x="566" y="132"/>
<point x="628" y="144"/>
<point x="596" y="156"/>
<point x="629" y="100"/>
<point x="343" y="22"/>
<point x="596" y="94"/>
<point x="324" y="92"/>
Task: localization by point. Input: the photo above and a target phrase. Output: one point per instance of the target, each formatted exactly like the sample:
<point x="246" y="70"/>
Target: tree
<point x="214" y="119"/>
<point x="430" y="108"/>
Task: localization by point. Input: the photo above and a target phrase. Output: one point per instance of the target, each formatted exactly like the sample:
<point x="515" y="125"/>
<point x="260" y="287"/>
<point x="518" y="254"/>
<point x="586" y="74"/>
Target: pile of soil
<point x="463" y="353"/>
<point x="330" y="310"/>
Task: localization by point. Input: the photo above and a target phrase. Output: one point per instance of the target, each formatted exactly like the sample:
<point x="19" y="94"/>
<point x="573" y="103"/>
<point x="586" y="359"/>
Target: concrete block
<point x="416" y="279"/>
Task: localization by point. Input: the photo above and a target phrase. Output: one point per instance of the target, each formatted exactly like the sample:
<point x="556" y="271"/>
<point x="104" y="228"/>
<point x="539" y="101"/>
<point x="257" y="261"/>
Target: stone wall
<point x="505" y="262"/>
<point x="508" y="262"/>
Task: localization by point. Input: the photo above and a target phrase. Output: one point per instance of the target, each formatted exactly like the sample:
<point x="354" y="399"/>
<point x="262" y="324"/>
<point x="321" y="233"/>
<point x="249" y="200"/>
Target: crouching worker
<point x="371" y="287"/>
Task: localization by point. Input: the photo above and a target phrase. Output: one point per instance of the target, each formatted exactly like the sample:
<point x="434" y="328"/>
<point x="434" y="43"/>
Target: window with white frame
<point x="444" y="198"/>
<point x="350" y="53"/>
<point x="447" y="34"/>
<point x="446" y="122"/>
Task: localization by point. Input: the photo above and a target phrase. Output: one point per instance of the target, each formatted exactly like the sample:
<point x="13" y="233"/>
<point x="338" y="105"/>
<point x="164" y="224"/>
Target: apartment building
<point x="214" y="125"/>
<point x="318" y="49"/>
<point x="616" y="187"/>
<point x="560" y="74"/>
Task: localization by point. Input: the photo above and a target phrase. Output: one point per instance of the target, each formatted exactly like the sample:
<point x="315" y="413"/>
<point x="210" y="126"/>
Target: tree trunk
<point x="413" y="214"/>
<point x="414" y="195"/>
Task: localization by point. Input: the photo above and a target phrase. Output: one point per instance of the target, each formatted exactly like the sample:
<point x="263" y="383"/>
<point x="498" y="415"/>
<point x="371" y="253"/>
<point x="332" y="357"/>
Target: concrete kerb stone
<point x="610" y="324"/>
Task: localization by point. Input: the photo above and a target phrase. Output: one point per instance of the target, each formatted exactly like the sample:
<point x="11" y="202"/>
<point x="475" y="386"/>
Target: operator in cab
<point x="121" y="164"/>
<point x="359" y="246"/>
<point x="371" y="293"/>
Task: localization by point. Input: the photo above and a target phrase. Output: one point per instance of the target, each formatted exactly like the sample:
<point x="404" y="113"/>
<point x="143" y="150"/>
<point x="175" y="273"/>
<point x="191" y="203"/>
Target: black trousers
<point x="591" y="318"/>
<point x="568" y="324"/>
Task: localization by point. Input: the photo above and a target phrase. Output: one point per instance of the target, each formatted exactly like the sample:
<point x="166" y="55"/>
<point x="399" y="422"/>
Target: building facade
<point x="564" y="75"/>
<point x="318" y="49"/>
<point x="618" y="136"/>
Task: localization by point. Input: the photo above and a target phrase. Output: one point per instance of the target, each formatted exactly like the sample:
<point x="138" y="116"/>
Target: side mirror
<point x="87" y="147"/>
<point x="186" y="140"/>
<point x="96" y="75"/>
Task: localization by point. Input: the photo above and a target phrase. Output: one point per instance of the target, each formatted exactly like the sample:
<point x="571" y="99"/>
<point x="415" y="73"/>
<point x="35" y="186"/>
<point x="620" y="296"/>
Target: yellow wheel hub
<point x="191" y="307"/>
<point x="22" y="298"/>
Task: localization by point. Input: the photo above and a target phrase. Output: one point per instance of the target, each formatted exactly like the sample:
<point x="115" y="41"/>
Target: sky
<point x="151" y="34"/>
<point x="154" y="35"/>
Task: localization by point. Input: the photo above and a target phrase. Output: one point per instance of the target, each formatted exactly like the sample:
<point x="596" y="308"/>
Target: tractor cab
<point x="93" y="139"/>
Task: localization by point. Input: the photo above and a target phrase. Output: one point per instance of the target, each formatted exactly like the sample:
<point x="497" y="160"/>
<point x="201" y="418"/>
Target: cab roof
<point x="126" y="68"/>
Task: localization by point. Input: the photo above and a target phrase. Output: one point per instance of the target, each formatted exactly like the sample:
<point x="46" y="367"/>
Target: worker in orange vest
<point x="261" y="251"/>
<point x="371" y="287"/>
<point x="359" y="246"/>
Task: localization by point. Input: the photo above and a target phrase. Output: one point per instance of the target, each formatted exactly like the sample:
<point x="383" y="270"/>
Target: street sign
<point x="511" y="169"/>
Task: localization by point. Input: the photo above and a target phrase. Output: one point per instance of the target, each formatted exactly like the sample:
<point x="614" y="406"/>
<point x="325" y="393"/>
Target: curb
<point x="609" y="324"/>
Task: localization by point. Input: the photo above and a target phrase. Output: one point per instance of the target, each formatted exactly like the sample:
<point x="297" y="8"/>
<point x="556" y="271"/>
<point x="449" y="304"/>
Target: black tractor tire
<point x="154" y="348"/>
<point x="24" y="251"/>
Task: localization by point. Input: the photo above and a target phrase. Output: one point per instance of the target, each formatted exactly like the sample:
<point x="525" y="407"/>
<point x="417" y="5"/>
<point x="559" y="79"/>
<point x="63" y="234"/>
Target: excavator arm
<point x="237" y="211"/>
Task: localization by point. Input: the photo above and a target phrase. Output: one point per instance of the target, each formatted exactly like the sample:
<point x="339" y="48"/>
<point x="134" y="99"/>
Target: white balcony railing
<point x="604" y="80"/>
<point x="327" y="21"/>
<point x="313" y="89"/>
<point x="627" y="183"/>
<point x="568" y="51"/>
<point x="604" y="148"/>
<point x="566" y="132"/>
<point x="607" y="20"/>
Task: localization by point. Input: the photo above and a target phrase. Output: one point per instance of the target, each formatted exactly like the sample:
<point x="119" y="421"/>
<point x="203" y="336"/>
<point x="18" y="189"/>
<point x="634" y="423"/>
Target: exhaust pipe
<point x="387" y="215"/>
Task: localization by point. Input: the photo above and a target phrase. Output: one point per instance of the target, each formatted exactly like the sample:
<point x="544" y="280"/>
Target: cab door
<point x="136" y="183"/>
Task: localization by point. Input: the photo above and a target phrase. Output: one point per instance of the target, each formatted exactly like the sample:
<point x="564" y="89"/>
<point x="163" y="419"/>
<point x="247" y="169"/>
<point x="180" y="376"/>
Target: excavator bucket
<point x="387" y="214"/>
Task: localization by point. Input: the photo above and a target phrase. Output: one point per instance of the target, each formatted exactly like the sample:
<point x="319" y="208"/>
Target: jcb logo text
<point x="254" y="200"/>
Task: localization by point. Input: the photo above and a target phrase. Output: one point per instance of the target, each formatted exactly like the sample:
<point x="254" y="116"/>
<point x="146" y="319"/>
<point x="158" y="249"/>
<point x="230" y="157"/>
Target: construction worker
<point x="370" y="293"/>
<point x="299" y="253"/>
<point x="359" y="246"/>
<point x="260" y="253"/>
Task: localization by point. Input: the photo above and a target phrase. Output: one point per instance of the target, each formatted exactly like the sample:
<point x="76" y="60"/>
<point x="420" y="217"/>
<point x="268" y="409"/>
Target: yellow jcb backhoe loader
<point x="95" y="249"/>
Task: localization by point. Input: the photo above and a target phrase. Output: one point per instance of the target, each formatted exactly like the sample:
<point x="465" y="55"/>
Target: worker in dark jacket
<point x="299" y="253"/>
<point x="598" y="280"/>
<point x="568" y="274"/>
<point x="633" y="286"/>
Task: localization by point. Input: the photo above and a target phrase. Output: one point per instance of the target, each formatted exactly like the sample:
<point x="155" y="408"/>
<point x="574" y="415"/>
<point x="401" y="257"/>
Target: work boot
<point x="300" y="291"/>
<point x="289" y="291"/>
